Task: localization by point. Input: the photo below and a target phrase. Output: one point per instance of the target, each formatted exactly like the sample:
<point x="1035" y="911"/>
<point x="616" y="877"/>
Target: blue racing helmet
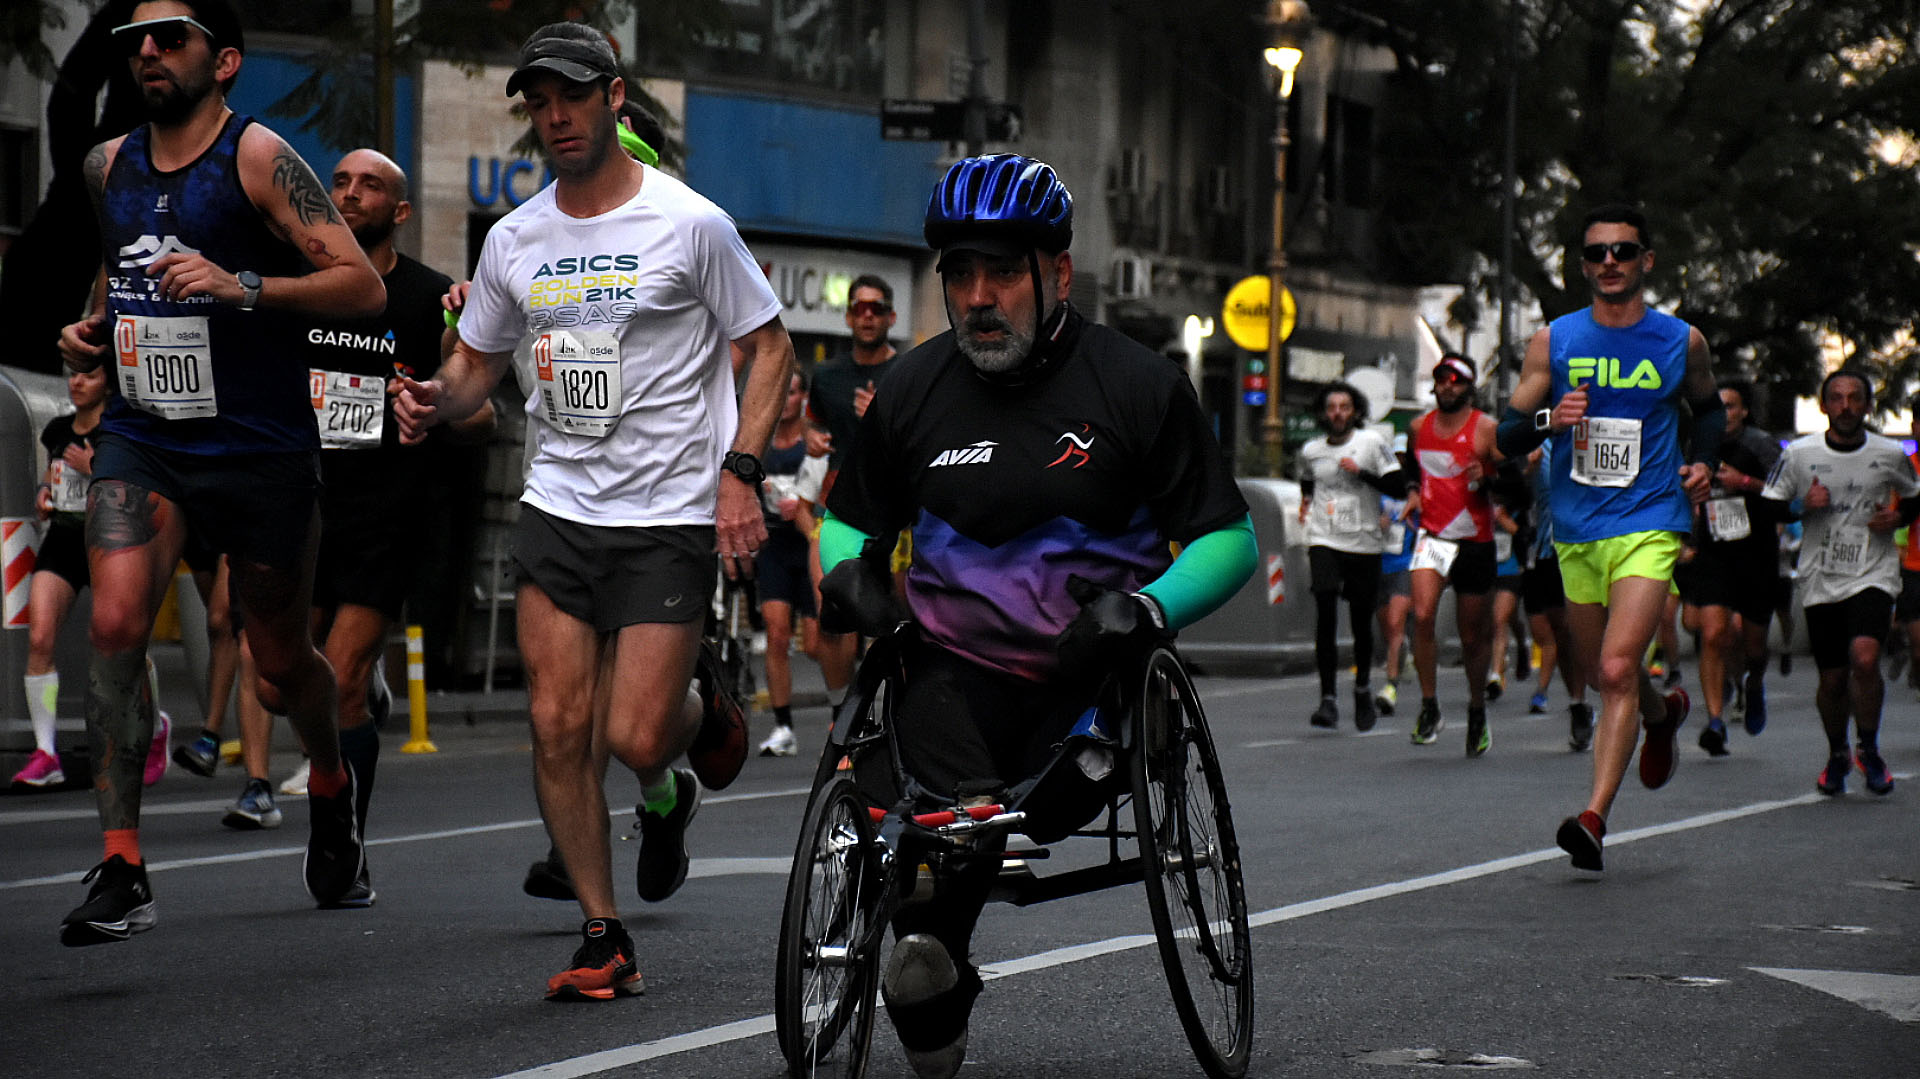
<point x="1010" y="201"/>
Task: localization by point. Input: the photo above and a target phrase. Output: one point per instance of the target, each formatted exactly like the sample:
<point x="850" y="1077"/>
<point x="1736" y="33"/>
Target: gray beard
<point x="998" y="356"/>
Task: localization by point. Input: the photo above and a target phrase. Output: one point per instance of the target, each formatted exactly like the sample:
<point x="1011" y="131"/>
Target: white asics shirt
<point x="1841" y="557"/>
<point x="630" y="314"/>
<point x="1345" y="512"/>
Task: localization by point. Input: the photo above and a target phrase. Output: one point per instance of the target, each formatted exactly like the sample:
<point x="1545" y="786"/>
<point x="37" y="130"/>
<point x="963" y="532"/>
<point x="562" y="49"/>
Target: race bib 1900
<point x="350" y="409"/>
<point x="166" y="367"/>
<point x="1606" y="452"/>
<point x="579" y="376"/>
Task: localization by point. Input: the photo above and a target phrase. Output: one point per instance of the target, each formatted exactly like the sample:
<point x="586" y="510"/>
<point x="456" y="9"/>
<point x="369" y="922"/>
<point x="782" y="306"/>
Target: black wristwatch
<point x="1543" y="420"/>
<point x="745" y="466"/>
<point x="250" y="284"/>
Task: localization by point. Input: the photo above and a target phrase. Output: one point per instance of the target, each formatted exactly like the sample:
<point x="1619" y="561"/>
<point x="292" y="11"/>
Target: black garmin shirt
<point x="1091" y="470"/>
<point x="402" y="340"/>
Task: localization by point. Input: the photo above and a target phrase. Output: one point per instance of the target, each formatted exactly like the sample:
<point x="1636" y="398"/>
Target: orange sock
<point x="125" y="842"/>
<point x="327" y="784"/>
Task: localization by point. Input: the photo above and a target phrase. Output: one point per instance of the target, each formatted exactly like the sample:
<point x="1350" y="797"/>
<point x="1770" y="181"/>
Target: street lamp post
<point x="1289" y="21"/>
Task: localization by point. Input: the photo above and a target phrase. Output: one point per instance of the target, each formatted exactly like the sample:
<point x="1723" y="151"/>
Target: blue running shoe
<point x="1756" y="718"/>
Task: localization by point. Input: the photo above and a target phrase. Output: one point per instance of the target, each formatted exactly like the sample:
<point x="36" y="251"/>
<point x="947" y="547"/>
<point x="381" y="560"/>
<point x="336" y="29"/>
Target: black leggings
<point x="1326" y="645"/>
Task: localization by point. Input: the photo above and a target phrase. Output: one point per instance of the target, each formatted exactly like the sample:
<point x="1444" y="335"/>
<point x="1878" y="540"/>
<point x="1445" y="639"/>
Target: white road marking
<point x="595" y="1063"/>
<point x="701" y="867"/>
<point x="1896" y="995"/>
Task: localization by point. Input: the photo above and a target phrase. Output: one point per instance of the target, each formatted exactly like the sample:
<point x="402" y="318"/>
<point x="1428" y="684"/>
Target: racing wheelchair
<point x="1144" y="761"/>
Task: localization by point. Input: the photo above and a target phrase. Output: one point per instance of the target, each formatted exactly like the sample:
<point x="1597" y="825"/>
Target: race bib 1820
<point x="166" y="366"/>
<point x="579" y="376"/>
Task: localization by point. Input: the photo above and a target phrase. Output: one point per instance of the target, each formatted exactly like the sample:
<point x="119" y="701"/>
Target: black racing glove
<point x="1112" y="629"/>
<point x="856" y="597"/>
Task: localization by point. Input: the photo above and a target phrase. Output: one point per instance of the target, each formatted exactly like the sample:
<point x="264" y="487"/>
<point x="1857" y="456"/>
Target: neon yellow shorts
<point x="1588" y="570"/>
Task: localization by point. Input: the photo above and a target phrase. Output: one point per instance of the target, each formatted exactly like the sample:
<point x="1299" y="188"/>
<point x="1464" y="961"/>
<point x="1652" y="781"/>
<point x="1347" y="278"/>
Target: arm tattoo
<point x="94" y="169"/>
<point x="304" y="193"/>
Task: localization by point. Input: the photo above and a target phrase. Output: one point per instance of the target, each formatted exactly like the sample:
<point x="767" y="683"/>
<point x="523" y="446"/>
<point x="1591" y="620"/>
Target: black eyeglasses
<point x="869" y="308"/>
<point x="1622" y="251"/>
<point x="168" y="34"/>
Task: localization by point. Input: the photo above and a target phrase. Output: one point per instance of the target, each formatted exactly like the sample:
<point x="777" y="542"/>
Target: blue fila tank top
<point x="198" y="355"/>
<point x="1609" y="478"/>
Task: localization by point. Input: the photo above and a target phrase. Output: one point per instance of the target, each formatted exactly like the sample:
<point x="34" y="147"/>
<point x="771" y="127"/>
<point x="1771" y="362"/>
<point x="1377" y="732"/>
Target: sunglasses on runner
<point x="168" y="34"/>
<point x="1622" y="251"/>
<point x="869" y="308"/>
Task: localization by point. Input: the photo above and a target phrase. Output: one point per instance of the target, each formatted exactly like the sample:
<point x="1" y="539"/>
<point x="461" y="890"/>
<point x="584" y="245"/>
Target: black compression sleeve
<point x="1393" y="484"/>
<point x="1709" y="428"/>
<point x="1516" y="436"/>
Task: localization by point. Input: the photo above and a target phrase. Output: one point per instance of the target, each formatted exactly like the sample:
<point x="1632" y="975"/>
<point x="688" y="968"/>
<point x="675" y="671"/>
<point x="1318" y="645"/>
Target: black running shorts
<point x="257" y="508"/>
<point x="1740" y="584"/>
<point x="780" y="571"/>
<point x="1833" y="627"/>
<point x="63" y="552"/>
<point x="1540" y="587"/>
<point x="1907" y="608"/>
<point x="610" y="578"/>
<point x="371" y="523"/>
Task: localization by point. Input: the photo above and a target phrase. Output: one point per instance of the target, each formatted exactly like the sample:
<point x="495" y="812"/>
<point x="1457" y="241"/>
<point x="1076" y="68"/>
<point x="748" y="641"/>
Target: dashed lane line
<point x="701" y="867"/>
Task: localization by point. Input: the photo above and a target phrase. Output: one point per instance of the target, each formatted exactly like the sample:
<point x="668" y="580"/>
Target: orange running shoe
<point x="603" y="967"/>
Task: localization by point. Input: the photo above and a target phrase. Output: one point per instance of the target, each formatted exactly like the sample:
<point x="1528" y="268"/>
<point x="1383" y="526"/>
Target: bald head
<point x="371" y="193"/>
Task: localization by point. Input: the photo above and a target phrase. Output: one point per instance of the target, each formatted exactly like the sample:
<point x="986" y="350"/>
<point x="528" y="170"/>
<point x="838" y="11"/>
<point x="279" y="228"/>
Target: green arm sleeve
<point x="839" y="541"/>
<point x="1207" y="573"/>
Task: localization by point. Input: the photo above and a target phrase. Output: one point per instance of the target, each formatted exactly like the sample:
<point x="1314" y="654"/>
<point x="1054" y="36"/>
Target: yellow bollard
<point x="417" y="741"/>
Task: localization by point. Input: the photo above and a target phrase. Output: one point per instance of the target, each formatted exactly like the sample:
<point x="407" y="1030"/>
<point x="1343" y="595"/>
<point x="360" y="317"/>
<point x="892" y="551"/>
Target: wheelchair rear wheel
<point x="827" y="969"/>
<point x="1192" y="868"/>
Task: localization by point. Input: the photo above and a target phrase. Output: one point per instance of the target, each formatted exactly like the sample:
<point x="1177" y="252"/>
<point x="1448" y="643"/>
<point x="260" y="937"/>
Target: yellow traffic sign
<point x="1245" y="312"/>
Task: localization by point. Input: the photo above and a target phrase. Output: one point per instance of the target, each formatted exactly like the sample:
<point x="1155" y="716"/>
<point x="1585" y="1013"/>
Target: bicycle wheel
<point x="1192" y="864"/>
<point x="827" y="970"/>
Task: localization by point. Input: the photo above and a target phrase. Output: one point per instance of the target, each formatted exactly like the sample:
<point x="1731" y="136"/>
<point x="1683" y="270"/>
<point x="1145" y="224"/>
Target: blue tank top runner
<point x="258" y="384"/>
<point x="1620" y="473"/>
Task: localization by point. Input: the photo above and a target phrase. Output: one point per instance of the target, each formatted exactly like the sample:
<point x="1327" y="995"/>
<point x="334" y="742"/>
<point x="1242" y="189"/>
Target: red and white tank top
<point x="1447" y="509"/>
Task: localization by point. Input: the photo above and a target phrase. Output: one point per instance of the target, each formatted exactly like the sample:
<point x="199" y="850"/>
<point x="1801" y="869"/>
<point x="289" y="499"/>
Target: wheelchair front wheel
<point x="827" y="969"/>
<point x="1191" y="861"/>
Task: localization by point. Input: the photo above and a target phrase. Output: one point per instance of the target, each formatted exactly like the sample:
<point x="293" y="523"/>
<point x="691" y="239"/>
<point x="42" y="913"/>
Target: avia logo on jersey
<point x="1077" y="447"/>
<point x="977" y="454"/>
<point x="1604" y="371"/>
<point x="366" y="342"/>
<point x="149" y="249"/>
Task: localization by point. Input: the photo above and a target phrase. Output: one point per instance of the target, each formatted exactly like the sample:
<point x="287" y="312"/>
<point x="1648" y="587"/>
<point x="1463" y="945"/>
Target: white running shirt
<point x="636" y="306"/>
<point x="1345" y="511"/>
<point x="1841" y="557"/>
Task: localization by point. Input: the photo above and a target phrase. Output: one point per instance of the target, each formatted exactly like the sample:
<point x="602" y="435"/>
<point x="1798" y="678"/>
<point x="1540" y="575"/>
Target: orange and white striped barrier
<point x="18" y="538"/>
<point x="1276" y="579"/>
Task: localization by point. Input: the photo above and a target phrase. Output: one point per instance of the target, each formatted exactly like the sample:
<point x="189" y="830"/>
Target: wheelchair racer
<point x="1044" y="464"/>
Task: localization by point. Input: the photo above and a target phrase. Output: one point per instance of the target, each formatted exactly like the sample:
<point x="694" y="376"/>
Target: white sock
<point x="43" y="696"/>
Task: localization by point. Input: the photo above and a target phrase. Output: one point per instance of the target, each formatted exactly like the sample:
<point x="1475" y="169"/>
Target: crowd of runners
<point x="261" y="378"/>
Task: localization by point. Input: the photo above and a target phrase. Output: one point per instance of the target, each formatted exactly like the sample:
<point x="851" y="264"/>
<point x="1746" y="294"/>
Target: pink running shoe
<point x="157" y="752"/>
<point x="42" y="770"/>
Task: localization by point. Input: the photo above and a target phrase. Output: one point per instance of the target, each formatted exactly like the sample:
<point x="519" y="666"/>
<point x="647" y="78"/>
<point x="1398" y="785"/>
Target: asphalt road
<point x="1410" y="910"/>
